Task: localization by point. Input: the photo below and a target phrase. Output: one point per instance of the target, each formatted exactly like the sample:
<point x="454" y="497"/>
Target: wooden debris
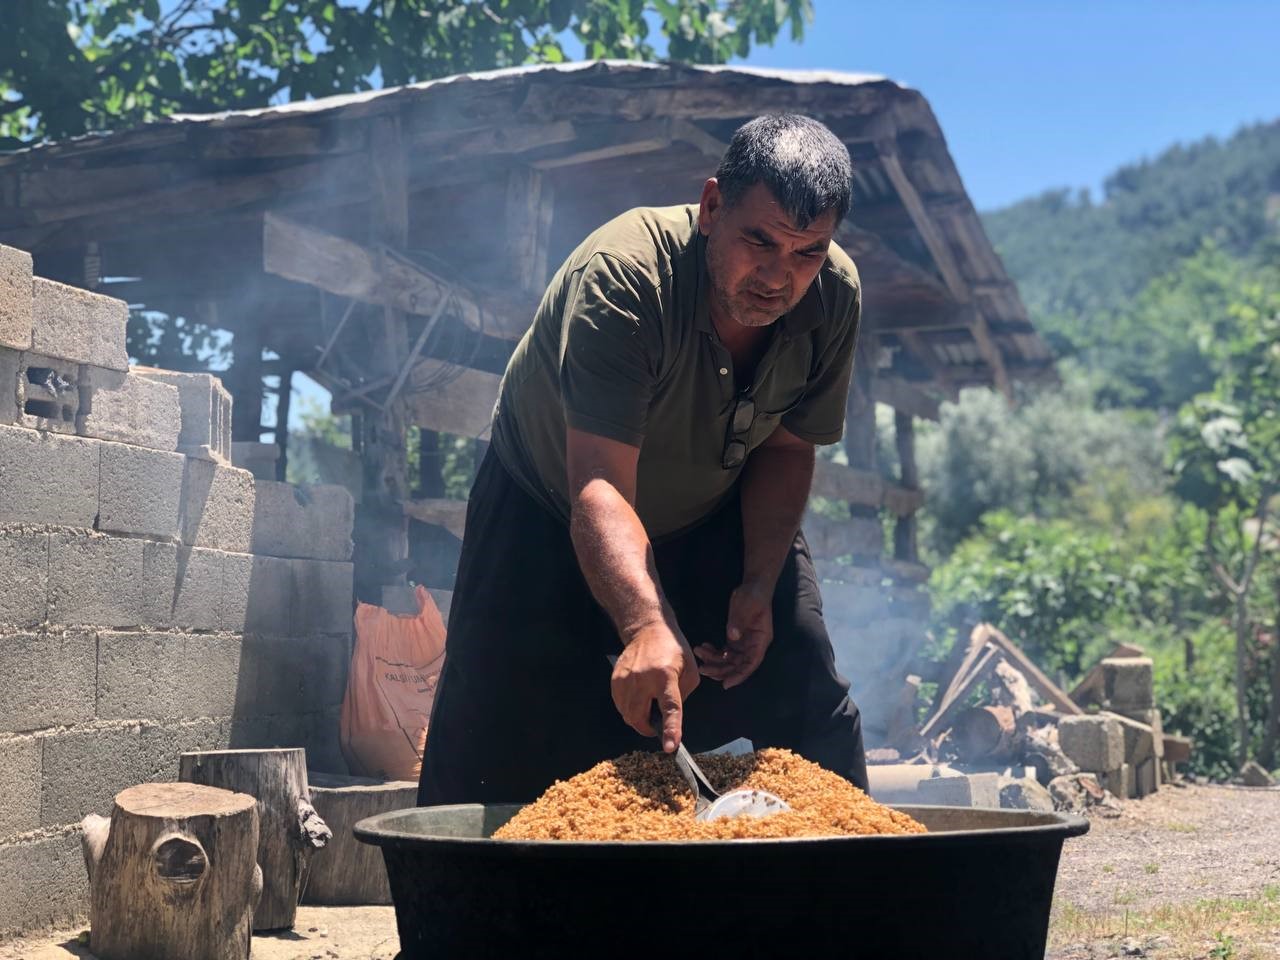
<point x="984" y="734"/>
<point x="173" y="874"/>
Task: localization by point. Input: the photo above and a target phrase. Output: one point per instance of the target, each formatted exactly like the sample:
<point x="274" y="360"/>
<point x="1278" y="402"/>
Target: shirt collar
<point x="807" y="315"/>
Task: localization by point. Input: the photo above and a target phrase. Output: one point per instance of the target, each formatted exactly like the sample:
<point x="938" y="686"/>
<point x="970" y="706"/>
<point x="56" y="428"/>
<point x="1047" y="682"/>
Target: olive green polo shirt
<point x="622" y="346"/>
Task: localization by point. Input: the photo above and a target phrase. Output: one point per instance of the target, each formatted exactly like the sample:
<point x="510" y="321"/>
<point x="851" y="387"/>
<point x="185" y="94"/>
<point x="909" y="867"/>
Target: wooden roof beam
<point x="341" y="266"/>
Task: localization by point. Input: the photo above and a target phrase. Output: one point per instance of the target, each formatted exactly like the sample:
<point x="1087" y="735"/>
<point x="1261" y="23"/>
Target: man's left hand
<point x="748" y="634"/>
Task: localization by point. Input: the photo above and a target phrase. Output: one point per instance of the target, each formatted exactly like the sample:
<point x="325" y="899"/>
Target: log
<point x="348" y="872"/>
<point x="1011" y="689"/>
<point x="290" y="828"/>
<point x="984" y="733"/>
<point x="173" y="874"/>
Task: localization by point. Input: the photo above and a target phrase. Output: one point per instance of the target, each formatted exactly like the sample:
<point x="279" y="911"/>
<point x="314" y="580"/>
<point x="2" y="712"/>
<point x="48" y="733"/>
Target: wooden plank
<point x="1044" y="686"/>
<point x="983" y="668"/>
<point x="450" y="514"/>
<point x="905" y="397"/>
<point x="452" y="399"/>
<point x="530" y="196"/>
<point x="923" y="351"/>
<point x="658" y="140"/>
<point x="683" y="131"/>
<point x="341" y="266"/>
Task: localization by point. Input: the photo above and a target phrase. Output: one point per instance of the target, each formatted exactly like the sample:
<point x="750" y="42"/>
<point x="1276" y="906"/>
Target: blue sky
<point x="1039" y="94"/>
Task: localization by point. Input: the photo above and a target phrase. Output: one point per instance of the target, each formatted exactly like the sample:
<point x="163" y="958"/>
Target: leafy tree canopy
<point x="69" y="66"/>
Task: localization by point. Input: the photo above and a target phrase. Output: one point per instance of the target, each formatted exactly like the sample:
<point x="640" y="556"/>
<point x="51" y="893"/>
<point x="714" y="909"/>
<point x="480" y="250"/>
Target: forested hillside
<point x="1127" y="503"/>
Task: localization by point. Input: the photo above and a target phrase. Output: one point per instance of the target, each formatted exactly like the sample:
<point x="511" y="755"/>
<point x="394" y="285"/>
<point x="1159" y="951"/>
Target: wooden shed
<point x="393" y="246"/>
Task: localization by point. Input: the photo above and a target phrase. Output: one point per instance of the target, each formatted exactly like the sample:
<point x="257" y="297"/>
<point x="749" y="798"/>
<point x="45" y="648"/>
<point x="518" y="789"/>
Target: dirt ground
<point x="1191" y="872"/>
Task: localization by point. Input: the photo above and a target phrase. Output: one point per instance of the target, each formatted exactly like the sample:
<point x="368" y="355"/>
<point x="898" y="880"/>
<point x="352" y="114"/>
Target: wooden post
<point x="904" y="533"/>
<point x="284" y="399"/>
<point x="173" y="874"/>
<point x="244" y="380"/>
<point x="290" y="828"/>
<point x="381" y="531"/>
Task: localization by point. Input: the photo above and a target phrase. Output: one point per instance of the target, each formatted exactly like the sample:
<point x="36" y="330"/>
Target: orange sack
<point x="392" y="683"/>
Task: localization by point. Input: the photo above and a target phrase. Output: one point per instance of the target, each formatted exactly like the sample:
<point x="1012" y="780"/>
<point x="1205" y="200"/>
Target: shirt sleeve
<point x="819" y="417"/>
<point x="609" y="354"/>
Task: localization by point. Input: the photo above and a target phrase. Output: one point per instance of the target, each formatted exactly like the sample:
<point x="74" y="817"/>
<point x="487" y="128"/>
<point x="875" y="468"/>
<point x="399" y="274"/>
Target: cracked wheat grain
<point x="641" y="796"/>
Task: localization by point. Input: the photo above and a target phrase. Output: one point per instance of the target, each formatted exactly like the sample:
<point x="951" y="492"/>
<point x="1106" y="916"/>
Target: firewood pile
<point x="997" y="714"/>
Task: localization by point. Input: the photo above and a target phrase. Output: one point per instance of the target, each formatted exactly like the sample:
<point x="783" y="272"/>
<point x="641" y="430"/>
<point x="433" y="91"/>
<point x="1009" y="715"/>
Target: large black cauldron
<point x="978" y="885"/>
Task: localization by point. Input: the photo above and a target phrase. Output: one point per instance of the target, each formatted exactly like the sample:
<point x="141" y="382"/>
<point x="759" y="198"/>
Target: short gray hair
<point x="802" y="163"/>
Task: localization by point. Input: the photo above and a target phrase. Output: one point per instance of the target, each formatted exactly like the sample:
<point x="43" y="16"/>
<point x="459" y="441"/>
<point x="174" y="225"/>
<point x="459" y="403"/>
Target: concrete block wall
<point x="153" y="598"/>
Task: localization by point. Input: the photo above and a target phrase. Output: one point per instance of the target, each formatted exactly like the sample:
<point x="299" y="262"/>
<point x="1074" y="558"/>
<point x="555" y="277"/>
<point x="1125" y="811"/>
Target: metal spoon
<point x="710" y="805"/>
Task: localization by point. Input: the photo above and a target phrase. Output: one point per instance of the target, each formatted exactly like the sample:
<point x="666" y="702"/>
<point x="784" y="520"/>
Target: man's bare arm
<point x="775" y="488"/>
<point x="617" y="561"/>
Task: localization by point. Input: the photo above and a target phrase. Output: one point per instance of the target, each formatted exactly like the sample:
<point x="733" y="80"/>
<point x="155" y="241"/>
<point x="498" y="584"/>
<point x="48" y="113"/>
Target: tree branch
<point x="1215" y="564"/>
<point x="1255" y="555"/>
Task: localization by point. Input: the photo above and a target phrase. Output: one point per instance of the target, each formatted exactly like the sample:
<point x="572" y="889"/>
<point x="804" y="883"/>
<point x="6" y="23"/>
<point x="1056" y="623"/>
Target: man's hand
<point x="748" y="633"/>
<point x="657" y="664"/>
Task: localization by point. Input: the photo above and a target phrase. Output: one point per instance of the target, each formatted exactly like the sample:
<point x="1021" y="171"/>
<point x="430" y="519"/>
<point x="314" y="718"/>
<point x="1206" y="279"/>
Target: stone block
<point x="969" y="790"/>
<point x="1139" y="740"/>
<point x="20" y="785"/>
<point x="1094" y="743"/>
<point x="258" y="458"/>
<point x="321" y="597"/>
<point x="140" y="491"/>
<point x="206" y="413"/>
<point x="24" y="577"/>
<point x="829" y="538"/>
<point x="10" y="405"/>
<point x="83" y="770"/>
<point x="257" y="595"/>
<point x="95" y="580"/>
<point x="1146" y="777"/>
<point x="1127" y="683"/>
<point x="74" y="324"/>
<point x="217" y="506"/>
<point x="48" y="393"/>
<point x="1254" y="774"/>
<point x="1118" y="782"/>
<point x="306" y="522"/>
<point x="45" y="884"/>
<point x="15" y="298"/>
<point x="46" y="679"/>
<point x="291" y="675"/>
<point x="197" y="597"/>
<point x="129" y="409"/>
<point x="166" y="675"/>
<point x="47" y="479"/>
<point x="852" y="606"/>
<point x="1025" y="794"/>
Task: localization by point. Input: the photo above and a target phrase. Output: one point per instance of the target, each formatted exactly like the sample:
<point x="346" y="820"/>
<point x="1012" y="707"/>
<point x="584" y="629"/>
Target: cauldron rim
<point x="1039" y="826"/>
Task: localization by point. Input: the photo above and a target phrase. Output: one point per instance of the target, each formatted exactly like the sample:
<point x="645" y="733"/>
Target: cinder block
<point x="1025" y="794"/>
<point x="969" y="790"/>
<point x="128" y="409"/>
<point x="15" y="298"/>
<point x="45" y="478"/>
<point x="258" y="458"/>
<point x="140" y="492"/>
<point x="45" y="884"/>
<point x="1146" y="777"/>
<point x="95" y="580"/>
<point x="1127" y="683"/>
<point x="166" y="675"/>
<point x="46" y="679"/>
<point x="322" y="591"/>
<point x="77" y="325"/>
<point x="83" y="770"/>
<point x="1150" y="718"/>
<point x="217" y="506"/>
<point x="1094" y="743"/>
<point x="206" y="413"/>
<point x="48" y="393"/>
<point x="846" y="605"/>
<point x="198" y="591"/>
<point x="1118" y="782"/>
<point x="257" y="595"/>
<point x="10" y="406"/>
<point x="19" y="785"/>
<point x="291" y="676"/>
<point x="1139" y="741"/>
<point x="24" y="577"/>
<point x="308" y="522"/>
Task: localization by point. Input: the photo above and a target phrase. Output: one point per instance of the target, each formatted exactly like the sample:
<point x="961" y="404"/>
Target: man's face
<point x="759" y="263"/>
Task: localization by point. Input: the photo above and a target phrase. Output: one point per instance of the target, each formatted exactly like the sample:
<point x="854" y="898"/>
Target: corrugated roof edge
<point x="306" y="107"/>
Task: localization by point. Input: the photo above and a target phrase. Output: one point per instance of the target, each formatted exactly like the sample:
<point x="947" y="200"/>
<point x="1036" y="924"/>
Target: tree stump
<point x="290" y="830"/>
<point x="349" y="872"/>
<point x="172" y="874"/>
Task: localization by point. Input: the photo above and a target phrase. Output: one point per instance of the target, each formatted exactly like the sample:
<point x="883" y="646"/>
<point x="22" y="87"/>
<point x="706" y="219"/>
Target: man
<point x="653" y="446"/>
